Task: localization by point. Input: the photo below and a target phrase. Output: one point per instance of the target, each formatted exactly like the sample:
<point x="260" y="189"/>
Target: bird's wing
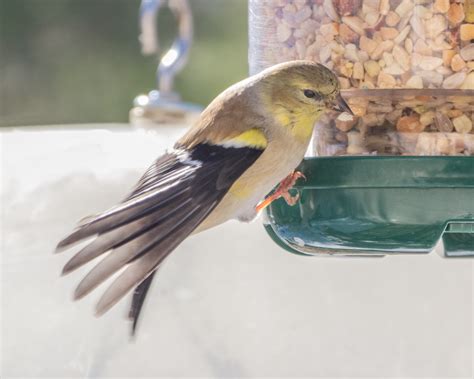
<point x="172" y="198"/>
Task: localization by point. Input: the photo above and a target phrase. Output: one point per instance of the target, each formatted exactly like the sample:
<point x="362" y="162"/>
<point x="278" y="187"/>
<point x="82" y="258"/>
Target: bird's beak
<point x="340" y="105"/>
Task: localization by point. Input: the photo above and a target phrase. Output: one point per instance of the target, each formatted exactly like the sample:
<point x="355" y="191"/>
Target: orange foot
<point x="283" y="191"/>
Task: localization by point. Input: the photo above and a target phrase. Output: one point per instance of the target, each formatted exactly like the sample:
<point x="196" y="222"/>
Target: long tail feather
<point x="139" y="296"/>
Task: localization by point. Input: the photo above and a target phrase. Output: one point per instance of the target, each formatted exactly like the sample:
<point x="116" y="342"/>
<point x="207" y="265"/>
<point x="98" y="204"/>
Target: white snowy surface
<point x="228" y="302"/>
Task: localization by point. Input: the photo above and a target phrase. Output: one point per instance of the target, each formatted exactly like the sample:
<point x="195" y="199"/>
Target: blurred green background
<point x="78" y="61"/>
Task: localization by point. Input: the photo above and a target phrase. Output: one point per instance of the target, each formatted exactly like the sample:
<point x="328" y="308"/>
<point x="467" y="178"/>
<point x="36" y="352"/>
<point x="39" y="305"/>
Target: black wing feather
<point x="170" y="200"/>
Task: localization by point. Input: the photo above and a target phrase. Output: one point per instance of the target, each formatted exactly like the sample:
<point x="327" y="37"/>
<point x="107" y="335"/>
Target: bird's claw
<point x="290" y="199"/>
<point x="290" y="181"/>
<point x="283" y="191"/>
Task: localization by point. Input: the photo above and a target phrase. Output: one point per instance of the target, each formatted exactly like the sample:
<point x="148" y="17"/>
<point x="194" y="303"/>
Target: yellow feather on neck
<point x="300" y="123"/>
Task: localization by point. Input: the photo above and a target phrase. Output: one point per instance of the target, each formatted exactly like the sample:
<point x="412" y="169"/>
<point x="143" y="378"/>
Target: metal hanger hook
<point x="176" y="57"/>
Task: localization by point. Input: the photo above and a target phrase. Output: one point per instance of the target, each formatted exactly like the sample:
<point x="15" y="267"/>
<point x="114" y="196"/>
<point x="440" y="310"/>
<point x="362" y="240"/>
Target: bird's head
<point x="301" y="89"/>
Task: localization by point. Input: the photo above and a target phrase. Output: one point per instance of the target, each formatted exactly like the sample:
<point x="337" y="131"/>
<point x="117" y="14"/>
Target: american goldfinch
<point x="246" y="141"/>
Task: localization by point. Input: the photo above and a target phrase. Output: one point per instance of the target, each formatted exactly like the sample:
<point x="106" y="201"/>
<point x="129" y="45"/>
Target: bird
<point x="249" y="139"/>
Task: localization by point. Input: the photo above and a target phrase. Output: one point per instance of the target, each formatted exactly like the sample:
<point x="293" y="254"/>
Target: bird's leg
<point x="283" y="191"/>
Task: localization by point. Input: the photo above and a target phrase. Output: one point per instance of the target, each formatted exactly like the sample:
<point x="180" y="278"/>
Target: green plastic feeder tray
<point x="378" y="205"/>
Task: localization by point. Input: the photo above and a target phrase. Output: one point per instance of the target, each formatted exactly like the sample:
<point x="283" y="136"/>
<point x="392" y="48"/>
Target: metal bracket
<point x="163" y="105"/>
<point x="176" y="57"/>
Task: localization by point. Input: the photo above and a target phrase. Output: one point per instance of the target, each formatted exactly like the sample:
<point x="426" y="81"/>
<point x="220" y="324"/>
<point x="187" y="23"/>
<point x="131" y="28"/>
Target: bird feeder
<point x="397" y="177"/>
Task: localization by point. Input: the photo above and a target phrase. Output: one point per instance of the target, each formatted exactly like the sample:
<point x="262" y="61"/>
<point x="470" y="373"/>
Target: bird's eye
<point x="311" y="94"/>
